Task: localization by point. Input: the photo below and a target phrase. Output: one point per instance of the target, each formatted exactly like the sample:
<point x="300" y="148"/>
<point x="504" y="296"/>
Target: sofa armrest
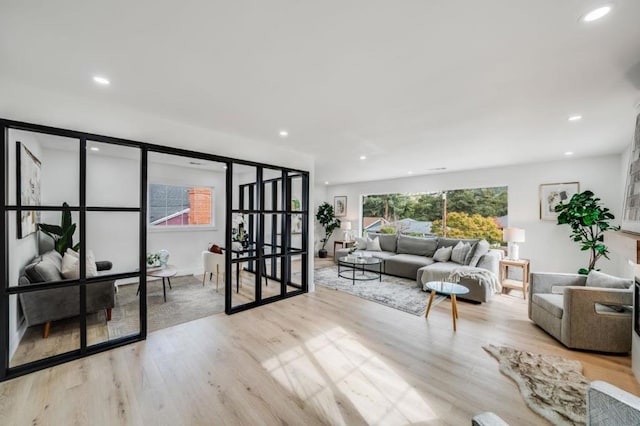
<point x="103" y="265"/>
<point x="584" y="327"/>
<point x="542" y="282"/>
<point x="609" y="405"/>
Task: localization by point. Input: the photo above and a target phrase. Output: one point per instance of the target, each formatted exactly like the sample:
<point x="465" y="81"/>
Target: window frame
<point x="181" y="228"/>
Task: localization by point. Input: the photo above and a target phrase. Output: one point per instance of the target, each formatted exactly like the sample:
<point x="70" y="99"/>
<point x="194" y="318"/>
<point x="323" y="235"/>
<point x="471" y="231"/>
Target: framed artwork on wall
<point x="552" y="194"/>
<point x="29" y="189"/>
<point x="340" y="205"/>
<point x="631" y="211"/>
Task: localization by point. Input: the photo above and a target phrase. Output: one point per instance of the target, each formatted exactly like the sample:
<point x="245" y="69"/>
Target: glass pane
<point x="272" y="237"/>
<point x="272" y="189"/>
<point x="295" y="224"/>
<point x="24" y="254"/>
<point x="297" y="196"/>
<point x="49" y="169"/>
<point x="112" y="314"/>
<point x="298" y="275"/>
<point x="114" y="237"/>
<point x="244" y="228"/>
<point x="243" y="284"/>
<point x="244" y="188"/>
<point x="50" y="323"/>
<point x="185" y="192"/>
<point x="113" y="175"/>
<point x="272" y="277"/>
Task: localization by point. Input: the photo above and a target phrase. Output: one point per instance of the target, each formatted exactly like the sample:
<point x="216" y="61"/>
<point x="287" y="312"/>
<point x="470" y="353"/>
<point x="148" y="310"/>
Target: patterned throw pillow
<point x="459" y="253"/>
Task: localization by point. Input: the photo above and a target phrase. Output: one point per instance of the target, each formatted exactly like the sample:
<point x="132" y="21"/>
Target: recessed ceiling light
<point x="326" y="182"/>
<point x="576" y="117"/>
<point x="409" y="172"/>
<point x="224" y="167"/>
<point x="94" y="148"/>
<point x="101" y="80"/>
<point x="596" y="14"/>
<point x="363" y="157"/>
<point x="437" y="168"/>
<point x="283" y="133"/>
<point x="568" y="153"/>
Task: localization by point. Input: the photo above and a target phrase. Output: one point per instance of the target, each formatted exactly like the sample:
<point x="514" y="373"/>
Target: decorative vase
<point x="322" y="253"/>
<point x="163" y="258"/>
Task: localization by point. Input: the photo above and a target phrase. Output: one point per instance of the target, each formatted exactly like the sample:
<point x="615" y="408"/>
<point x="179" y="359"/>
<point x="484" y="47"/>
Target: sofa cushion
<point x="460" y="252"/>
<point x="388" y="242"/>
<point x="361" y="243"/>
<point x="416" y="245"/>
<point x="405" y="265"/>
<point x="451" y="242"/>
<point x="598" y="279"/>
<point x="439" y="271"/>
<point x="552" y="303"/>
<point x="478" y="250"/>
<point x="443" y="254"/>
<point x="43" y="269"/>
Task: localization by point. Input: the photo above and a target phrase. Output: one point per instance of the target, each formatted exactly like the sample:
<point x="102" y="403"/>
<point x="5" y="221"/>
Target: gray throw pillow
<point x="459" y="253"/>
<point x="373" y="245"/>
<point x="443" y="254"/>
<point x="480" y="249"/>
<point x="602" y="280"/>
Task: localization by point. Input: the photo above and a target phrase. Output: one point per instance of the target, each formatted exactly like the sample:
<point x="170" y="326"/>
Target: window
<point x="463" y="213"/>
<point x="171" y="205"/>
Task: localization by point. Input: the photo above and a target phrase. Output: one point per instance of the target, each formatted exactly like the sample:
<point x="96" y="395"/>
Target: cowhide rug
<point x="552" y="386"/>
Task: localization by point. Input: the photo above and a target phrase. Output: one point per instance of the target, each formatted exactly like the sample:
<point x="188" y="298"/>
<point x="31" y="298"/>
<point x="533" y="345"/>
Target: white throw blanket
<point x="484" y="277"/>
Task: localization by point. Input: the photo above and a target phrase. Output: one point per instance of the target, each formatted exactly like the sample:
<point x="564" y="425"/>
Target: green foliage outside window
<point x="463" y="225"/>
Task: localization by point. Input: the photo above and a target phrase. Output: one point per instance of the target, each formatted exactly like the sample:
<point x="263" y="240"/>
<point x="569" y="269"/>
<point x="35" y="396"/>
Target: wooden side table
<point x="509" y="283"/>
<point x="343" y="244"/>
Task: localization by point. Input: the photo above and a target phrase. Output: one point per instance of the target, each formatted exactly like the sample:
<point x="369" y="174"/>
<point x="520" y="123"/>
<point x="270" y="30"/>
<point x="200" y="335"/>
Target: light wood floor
<point x="322" y="358"/>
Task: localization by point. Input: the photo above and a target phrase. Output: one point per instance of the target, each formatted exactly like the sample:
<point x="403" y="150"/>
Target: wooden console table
<point x="509" y="283"/>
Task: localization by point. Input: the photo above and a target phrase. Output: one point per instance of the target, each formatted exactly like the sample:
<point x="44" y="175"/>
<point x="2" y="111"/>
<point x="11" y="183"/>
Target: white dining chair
<point x="213" y="262"/>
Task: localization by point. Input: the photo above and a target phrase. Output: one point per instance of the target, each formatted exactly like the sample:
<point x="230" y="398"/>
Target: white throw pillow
<point x="361" y="243"/>
<point x="373" y="245"/>
<point x="71" y="265"/>
<point x="443" y="254"/>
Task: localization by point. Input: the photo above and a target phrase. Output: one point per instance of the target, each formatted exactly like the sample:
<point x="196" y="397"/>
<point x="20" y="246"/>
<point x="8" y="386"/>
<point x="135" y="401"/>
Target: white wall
<point x="547" y="244"/>
<point x="23" y="250"/>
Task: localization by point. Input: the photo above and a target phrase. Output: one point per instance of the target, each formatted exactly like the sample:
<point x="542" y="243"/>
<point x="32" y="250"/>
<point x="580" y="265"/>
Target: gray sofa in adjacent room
<point x="44" y="306"/>
<point x="412" y="257"/>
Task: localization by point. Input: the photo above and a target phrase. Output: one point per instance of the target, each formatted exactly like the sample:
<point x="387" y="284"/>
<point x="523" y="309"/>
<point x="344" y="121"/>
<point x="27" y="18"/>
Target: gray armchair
<point x="591" y="312"/>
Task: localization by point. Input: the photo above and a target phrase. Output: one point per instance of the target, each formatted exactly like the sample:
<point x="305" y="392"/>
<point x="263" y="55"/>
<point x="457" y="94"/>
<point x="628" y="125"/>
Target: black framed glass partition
<point x="76" y="213"/>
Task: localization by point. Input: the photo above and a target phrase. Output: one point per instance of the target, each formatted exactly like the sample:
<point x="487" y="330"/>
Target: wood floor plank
<point x="321" y="358"/>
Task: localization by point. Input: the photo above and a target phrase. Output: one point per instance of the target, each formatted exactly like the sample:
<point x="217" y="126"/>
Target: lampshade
<point x="513" y="235"/>
<point x="345" y="226"/>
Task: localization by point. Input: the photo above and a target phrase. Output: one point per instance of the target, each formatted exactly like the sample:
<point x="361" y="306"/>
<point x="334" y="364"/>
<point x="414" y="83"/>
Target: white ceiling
<point x="413" y="85"/>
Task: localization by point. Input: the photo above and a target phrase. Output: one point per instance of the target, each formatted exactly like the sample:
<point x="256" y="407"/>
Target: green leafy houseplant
<point x="62" y="235"/>
<point x="329" y="222"/>
<point x="588" y="220"/>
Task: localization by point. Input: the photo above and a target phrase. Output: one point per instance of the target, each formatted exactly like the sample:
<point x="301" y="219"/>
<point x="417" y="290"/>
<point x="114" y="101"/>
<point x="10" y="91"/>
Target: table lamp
<point x="513" y="236"/>
<point x="346" y="227"/>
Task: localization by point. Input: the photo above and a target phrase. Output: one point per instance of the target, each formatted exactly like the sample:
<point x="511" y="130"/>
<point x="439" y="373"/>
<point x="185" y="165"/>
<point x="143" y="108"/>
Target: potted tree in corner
<point x="588" y="220"/>
<point x="329" y="222"/>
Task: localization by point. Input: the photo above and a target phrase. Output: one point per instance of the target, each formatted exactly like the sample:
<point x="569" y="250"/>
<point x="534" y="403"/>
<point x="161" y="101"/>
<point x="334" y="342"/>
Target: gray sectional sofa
<point x="412" y="257"/>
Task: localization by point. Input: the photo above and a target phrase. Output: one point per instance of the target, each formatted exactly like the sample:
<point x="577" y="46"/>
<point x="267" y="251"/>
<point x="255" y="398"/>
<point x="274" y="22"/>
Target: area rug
<point x="395" y="292"/>
<point x="187" y="300"/>
<point x="552" y="386"/>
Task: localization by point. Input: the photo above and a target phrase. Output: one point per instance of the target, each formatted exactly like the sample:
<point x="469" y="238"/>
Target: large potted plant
<point x="588" y="220"/>
<point x="329" y="222"/>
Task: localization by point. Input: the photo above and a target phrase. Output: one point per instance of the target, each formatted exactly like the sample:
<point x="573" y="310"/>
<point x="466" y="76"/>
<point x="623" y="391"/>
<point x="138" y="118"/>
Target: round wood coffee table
<point x="448" y="289"/>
